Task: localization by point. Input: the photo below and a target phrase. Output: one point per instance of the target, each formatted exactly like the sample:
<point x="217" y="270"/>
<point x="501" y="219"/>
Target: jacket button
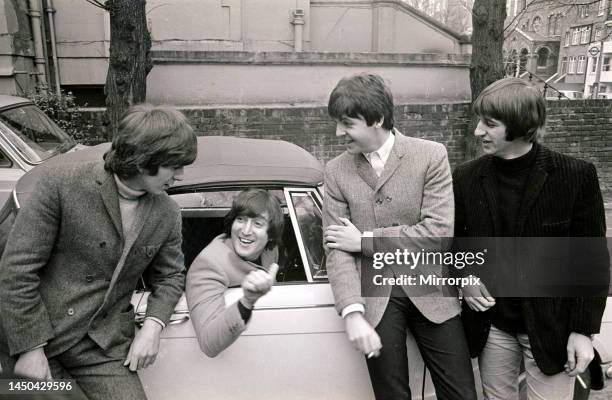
<point x="71" y="311"/>
<point x="89" y="278"/>
<point x="388" y="199"/>
<point x="102" y="245"/>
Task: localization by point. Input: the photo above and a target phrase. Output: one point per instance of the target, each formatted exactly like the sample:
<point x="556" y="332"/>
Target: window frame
<point x="581" y="65"/>
<point x="318" y="201"/>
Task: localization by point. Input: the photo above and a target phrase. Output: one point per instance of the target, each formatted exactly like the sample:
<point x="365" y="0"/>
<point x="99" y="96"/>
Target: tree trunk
<point x="487" y="60"/>
<point x="130" y="59"/>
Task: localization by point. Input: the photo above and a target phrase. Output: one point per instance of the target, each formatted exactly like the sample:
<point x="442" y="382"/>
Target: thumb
<point x="273" y="270"/>
<point x="345" y="221"/>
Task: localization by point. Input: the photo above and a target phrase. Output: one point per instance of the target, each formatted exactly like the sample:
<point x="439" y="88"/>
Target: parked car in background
<point x="295" y="346"/>
<point x="27" y="138"/>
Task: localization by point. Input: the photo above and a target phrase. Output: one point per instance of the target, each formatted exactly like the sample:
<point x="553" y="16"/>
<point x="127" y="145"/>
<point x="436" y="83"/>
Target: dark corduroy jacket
<point x="561" y="199"/>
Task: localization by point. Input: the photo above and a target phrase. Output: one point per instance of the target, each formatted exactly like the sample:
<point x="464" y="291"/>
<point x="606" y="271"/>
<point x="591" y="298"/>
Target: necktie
<point x="377" y="163"/>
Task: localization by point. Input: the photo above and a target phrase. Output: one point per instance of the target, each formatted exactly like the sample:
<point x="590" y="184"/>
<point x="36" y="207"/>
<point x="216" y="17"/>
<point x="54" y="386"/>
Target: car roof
<point x="7" y="101"/>
<point x="222" y="161"/>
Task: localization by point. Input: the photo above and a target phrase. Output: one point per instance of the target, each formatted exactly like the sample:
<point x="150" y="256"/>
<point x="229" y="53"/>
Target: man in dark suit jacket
<point x="392" y="188"/>
<point x="77" y="250"/>
<point x="521" y="189"/>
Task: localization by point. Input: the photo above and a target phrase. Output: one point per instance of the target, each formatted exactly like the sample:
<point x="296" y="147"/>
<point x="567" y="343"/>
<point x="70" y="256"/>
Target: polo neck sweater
<point x="128" y="204"/>
<point x="511" y="179"/>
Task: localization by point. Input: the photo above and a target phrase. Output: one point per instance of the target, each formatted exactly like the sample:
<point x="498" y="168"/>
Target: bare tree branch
<point x="96" y="3"/>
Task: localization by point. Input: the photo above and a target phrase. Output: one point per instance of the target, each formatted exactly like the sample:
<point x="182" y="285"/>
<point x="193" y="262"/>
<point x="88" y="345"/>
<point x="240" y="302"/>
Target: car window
<point x="203" y="214"/>
<point x="34" y="135"/>
<point x="305" y="208"/>
<point x="5" y="162"/>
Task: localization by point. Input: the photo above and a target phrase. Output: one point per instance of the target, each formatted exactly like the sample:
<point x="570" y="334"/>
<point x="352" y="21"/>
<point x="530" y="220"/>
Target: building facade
<point x="262" y="51"/>
<point x="564" y="44"/>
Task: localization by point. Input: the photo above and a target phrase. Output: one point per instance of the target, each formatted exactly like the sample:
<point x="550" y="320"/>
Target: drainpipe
<point x="56" y="75"/>
<point x="39" y="55"/>
<point x="298" y="27"/>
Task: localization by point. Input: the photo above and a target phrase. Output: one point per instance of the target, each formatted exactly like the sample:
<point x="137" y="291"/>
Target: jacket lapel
<point x="144" y="208"/>
<point x="393" y="162"/>
<point x="533" y="187"/>
<point x="110" y="197"/>
<point x="489" y="186"/>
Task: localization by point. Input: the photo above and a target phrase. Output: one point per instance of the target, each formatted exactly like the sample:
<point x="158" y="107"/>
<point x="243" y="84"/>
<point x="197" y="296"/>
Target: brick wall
<point x="581" y="128"/>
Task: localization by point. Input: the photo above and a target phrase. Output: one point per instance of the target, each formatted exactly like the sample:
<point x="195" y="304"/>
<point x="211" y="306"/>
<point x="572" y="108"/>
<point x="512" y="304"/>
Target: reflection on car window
<point x="5" y="162"/>
<point x="33" y="133"/>
<point x="309" y="221"/>
<point x="203" y="214"/>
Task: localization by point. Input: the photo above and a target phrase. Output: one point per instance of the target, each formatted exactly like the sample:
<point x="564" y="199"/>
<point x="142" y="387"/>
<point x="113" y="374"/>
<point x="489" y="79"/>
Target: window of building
<point x="564" y="65"/>
<point x="606" y="64"/>
<point x="522" y="4"/>
<point x="598" y="33"/>
<point x="585" y="34"/>
<point x="536" y="25"/>
<point x="572" y="65"/>
<point x="603" y="89"/>
<point x="557" y="30"/>
<point x="567" y="38"/>
<point x="593" y="64"/>
<point x="543" y="57"/>
<point x="581" y="64"/>
<point x="583" y="10"/>
<point x="550" y="26"/>
<point x="602" y="7"/>
<point x="575" y="36"/>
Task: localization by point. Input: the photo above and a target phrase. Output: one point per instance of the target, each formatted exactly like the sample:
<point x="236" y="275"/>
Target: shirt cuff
<point x="37" y="347"/>
<point x="159" y="321"/>
<point x="356" y="307"/>
<point x="367" y="234"/>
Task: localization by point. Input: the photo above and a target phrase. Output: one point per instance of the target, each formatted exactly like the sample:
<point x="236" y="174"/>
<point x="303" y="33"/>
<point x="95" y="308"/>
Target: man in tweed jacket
<point x="77" y="250"/>
<point x="389" y="186"/>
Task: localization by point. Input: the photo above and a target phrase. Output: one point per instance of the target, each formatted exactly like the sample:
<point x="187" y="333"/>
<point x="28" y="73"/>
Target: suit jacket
<point x="213" y="271"/>
<point x="412" y="199"/>
<point x="562" y="199"/>
<point x="56" y="273"/>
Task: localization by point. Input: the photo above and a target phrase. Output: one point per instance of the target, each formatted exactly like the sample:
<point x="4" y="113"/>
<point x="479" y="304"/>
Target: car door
<point x="294" y="347"/>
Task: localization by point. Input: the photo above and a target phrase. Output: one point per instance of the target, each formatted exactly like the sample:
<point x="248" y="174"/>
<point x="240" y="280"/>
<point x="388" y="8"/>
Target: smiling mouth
<point x="245" y="241"/>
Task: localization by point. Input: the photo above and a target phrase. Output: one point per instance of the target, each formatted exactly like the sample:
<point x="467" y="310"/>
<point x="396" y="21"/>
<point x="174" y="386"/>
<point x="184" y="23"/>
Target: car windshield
<point x="33" y="134"/>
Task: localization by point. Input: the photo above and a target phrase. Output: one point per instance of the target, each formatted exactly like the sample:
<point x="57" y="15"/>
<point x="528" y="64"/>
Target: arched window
<point x="536" y="24"/>
<point x="523" y="59"/>
<point x="543" y="54"/>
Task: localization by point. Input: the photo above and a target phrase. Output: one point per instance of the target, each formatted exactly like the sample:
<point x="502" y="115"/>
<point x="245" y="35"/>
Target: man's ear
<point x="379" y="124"/>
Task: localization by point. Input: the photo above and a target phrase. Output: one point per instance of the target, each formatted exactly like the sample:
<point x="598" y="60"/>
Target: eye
<point x="260" y="224"/>
<point x="239" y="218"/>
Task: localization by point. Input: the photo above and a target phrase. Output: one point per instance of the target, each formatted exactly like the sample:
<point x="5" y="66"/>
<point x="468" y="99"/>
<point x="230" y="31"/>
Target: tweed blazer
<point x="56" y="273"/>
<point x="562" y="199"/>
<point x="413" y="198"/>
<point x="213" y="271"/>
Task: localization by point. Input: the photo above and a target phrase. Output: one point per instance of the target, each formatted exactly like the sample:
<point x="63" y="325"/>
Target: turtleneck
<point x="128" y="204"/>
<point x="512" y="177"/>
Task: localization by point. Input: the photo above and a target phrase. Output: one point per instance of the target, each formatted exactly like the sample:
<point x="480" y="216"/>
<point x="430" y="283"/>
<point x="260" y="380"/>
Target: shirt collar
<point x="127" y="192"/>
<point x="383" y="151"/>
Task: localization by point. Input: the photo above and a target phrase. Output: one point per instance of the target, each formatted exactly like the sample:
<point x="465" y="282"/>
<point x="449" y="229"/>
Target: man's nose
<point x="247" y="227"/>
<point x="479" y="131"/>
<point x="178" y="174"/>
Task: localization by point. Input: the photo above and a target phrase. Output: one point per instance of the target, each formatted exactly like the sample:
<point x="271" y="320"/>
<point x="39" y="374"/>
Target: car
<point x="27" y="138"/>
<point x="295" y="346"/>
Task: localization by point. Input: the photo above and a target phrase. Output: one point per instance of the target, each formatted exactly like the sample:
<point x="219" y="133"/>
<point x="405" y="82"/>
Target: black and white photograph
<point x="305" y="199"/>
